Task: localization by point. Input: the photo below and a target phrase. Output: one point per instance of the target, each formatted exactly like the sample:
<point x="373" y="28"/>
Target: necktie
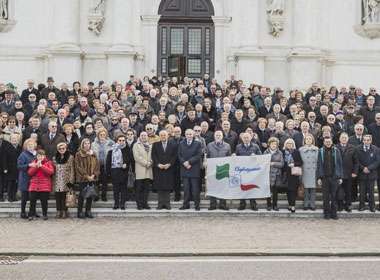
<point x="164" y="146"/>
<point x="188" y="143"/>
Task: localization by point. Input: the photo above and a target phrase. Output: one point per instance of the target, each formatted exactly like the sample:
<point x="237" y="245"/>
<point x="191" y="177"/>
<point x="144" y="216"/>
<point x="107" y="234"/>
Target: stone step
<point x="130" y="213"/>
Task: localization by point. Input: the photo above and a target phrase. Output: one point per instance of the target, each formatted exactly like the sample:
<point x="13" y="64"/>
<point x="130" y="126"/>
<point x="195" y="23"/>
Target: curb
<point x="195" y="254"/>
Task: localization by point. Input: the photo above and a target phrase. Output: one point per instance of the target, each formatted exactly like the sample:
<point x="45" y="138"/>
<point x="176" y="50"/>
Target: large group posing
<point x="155" y="134"/>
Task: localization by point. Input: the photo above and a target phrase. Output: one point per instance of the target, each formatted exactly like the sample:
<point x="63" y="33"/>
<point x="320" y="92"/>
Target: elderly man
<point x="368" y="160"/>
<point x="164" y="157"/>
<point x="247" y="148"/>
<point x="49" y="140"/>
<point x="216" y="149"/>
<point x="190" y="155"/>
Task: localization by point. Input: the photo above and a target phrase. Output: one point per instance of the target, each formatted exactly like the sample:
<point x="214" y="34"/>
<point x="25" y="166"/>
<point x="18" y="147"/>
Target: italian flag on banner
<point x="242" y="177"/>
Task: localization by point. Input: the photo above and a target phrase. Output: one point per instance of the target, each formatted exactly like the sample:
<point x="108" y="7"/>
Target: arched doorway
<point x="186" y="38"/>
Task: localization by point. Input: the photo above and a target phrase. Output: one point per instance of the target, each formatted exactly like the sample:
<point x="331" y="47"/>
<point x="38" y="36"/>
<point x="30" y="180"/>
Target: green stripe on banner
<point x="222" y="171"/>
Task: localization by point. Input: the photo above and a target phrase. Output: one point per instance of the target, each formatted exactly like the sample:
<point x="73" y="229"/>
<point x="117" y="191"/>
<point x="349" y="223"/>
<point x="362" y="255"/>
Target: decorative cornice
<point x="221" y="20"/>
<point x="150" y="19"/>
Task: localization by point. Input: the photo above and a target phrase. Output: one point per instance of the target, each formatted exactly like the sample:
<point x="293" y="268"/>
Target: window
<point x="195" y="41"/>
<point x="176" y="41"/>
<point x="194" y="66"/>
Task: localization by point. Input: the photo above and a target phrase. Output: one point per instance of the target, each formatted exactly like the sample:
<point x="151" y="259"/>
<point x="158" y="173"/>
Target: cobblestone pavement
<point x="190" y="235"/>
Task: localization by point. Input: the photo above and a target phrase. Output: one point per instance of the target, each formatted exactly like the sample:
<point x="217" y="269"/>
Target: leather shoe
<point x="197" y="208"/>
<point x="89" y="215"/>
<point x="184" y="208"/>
<point x="80" y="216"/>
<point x="211" y="208"/>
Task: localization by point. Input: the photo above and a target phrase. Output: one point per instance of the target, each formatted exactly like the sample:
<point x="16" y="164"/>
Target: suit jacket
<point x="50" y="146"/>
<point x="163" y="179"/>
<point x="193" y="154"/>
<point x="369" y="159"/>
<point x="374" y="130"/>
<point x="353" y="140"/>
<point x="348" y="160"/>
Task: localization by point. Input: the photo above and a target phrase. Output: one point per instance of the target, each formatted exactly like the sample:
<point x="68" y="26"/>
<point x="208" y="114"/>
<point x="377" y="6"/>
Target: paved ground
<point x="194" y="268"/>
<point x="190" y="235"/>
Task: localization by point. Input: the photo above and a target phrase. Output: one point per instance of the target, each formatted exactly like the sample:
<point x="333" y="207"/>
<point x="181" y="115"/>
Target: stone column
<point x="122" y="53"/>
<point x="64" y="54"/>
<point x="149" y="42"/>
<point x="221" y="25"/>
<point x="305" y="57"/>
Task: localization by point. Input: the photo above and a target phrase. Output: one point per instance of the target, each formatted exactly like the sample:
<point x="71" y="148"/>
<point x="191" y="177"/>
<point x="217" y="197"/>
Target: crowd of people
<point x="154" y="134"/>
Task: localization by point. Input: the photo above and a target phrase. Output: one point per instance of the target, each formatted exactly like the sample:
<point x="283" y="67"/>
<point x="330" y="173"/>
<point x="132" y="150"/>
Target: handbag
<point x="88" y="191"/>
<point x="301" y="192"/>
<point x="71" y="199"/>
<point x="296" y="171"/>
<point x="131" y="179"/>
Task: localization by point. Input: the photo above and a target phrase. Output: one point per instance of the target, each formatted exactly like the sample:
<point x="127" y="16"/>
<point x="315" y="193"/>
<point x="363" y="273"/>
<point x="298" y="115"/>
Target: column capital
<point x="221" y="20"/>
<point x="150" y="19"/>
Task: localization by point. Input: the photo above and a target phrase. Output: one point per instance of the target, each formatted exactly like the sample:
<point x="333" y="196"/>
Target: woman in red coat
<point x="40" y="171"/>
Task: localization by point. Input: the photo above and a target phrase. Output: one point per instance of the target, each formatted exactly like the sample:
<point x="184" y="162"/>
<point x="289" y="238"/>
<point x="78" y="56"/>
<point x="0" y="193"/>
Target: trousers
<point x="329" y="191"/>
<point x="43" y="197"/>
<point x="191" y="188"/>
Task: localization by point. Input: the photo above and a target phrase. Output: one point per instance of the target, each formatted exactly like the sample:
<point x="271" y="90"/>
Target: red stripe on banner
<point x="248" y="187"/>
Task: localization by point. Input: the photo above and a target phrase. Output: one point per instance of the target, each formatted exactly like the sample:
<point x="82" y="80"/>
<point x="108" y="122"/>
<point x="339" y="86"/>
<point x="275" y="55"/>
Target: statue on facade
<point x="275" y="7"/>
<point x="276" y="19"/>
<point x="4" y="9"/>
<point x="371" y="11"/>
<point x="96" y="17"/>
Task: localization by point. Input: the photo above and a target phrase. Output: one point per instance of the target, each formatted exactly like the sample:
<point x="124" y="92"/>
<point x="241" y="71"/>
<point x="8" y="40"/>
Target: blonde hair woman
<point x="309" y="155"/>
<point x="292" y="159"/>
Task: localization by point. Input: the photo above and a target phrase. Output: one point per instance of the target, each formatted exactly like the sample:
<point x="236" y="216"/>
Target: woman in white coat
<point x="309" y="155"/>
<point x="142" y="153"/>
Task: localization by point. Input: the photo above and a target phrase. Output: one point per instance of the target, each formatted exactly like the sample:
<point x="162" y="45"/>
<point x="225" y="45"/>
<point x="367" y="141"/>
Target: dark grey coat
<point x="277" y="163"/>
<point x="193" y="154"/>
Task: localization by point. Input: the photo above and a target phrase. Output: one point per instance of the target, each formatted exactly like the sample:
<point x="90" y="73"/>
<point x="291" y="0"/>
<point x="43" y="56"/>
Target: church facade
<point x="286" y="43"/>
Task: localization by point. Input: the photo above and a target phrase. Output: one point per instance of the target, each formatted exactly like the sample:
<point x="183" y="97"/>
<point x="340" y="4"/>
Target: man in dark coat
<point x="247" y="148"/>
<point x="50" y="88"/>
<point x="8" y="104"/>
<point x="374" y="130"/>
<point x="4" y="148"/>
<point x="164" y="156"/>
<point x="368" y="161"/>
<point x="190" y="156"/>
<point x="329" y="174"/>
<point x="177" y="138"/>
<point x="347" y="151"/>
<point x="217" y="149"/>
<point x="118" y="163"/>
<point x="28" y="91"/>
<point x="49" y="140"/>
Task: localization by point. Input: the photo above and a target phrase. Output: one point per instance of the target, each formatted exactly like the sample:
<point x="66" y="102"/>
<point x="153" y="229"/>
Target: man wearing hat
<point x="8" y="103"/>
<point x="137" y="127"/>
<point x="50" y="88"/>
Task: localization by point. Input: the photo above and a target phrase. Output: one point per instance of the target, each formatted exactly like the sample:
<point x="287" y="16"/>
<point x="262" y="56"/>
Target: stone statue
<point x="98" y="7"/>
<point x="371" y="11"/>
<point x="3" y="9"/>
<point x="96" y="17"/>
<point x="275" y="7"/>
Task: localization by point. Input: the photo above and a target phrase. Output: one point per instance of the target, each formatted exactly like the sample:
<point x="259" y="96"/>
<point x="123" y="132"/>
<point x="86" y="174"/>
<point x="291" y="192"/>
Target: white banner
<point x="238" y="177"/>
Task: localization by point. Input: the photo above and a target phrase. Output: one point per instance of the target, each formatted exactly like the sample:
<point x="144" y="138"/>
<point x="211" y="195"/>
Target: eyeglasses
<point x="62" y="148"/>
<point x="121" y="140"/>
<point x="149" y="128"/>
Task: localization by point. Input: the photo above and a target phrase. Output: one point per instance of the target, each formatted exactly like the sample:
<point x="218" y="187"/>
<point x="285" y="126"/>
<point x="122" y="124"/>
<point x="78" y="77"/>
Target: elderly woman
<point x="276" y="165"/>
<point x="142" y="153"/>
<point x="26" y="157"/>
<point x="40" y="172"/>
<point x="293" y="162"/>
<point x="11" y="128"/>
<point x="63" y="178"/>
<point x="72" y="139"/>
<point x="87" y="172"/>
<point x="309" y="156"/>
<point x="101" y="146"/>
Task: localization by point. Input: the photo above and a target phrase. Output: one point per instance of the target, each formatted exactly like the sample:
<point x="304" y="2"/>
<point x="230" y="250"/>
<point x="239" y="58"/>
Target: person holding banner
<point x="276" y="165"/>
<point x="293" y="162"/>
<point x="247" y="148"/>
<point x="217" y="149"/>
<point x="190" y="156"/>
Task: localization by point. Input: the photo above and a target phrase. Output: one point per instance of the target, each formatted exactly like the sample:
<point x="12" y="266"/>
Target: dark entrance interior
<point x="185" y="38"/>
